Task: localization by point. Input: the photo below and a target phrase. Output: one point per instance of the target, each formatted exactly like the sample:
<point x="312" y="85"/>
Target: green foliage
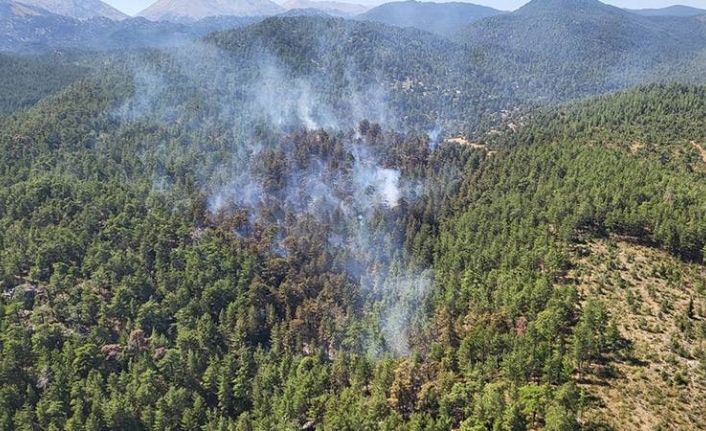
<point x="130" y="303"/>
<point x="25" y="81"/>
<point x="557" y="50"/>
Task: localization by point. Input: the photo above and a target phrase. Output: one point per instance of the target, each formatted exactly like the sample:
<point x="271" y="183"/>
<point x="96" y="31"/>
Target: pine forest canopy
<point x="317" y="223"/>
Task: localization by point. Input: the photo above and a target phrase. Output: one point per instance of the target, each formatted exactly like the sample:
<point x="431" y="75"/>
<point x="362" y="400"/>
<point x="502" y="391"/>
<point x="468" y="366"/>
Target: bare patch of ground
<point x="659" y="381"/>
<point x="465" y="142"/>
<point x="700" y="149"/>
<point x="636" y="146"/>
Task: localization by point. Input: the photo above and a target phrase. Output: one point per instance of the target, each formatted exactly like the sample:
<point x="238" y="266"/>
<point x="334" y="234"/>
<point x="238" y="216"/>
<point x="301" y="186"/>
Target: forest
<point x="322" y="224"/>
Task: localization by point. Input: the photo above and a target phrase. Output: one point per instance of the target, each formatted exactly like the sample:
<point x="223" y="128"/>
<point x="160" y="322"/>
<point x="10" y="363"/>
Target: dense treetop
<point x="268" y="230"/>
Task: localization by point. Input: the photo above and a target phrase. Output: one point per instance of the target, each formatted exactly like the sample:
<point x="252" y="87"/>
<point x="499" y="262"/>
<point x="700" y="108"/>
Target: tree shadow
<point x="624" y="354"/>
<point x="596" y="426"/>
<point x="636" y="362"/>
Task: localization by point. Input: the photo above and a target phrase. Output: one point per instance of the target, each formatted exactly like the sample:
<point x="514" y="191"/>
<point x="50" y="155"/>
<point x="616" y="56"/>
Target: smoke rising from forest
<point x="296" y="152"/>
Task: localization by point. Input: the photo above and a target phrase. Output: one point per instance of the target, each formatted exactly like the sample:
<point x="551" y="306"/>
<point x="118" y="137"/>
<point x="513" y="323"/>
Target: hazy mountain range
<point x="190" y="10"/>
<point x="549" y="50"/>
<point x="542" y="27"/>
<point x="440" y="18"/>
<point x="677" y="10"/>
<point x="603" y="46"/>
<point x="27" y="28"/>
<point x="79" y="9"/>
<point x="331" y="7"/>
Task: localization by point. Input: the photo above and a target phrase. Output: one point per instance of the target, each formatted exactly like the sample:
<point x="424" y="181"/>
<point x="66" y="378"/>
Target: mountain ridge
<point x="574" y="7"/>
<point x="30" y="29"/>
<point x="78" y="9"/>
<point x="187" y="10"/>
<point x="676" y="10"/>
<point x="330" y="7"/>
<point x="584" y="45"/>
<point x="439" y="18"/>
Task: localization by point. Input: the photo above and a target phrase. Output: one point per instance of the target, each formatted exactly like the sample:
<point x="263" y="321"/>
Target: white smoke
<point x="256" y="104"/>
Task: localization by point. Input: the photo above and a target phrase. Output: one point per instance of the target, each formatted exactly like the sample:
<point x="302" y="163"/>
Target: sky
<point x="131" y="7"/>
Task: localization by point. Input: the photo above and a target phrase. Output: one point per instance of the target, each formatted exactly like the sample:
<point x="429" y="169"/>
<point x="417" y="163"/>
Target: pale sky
<point x="131" y="7"/>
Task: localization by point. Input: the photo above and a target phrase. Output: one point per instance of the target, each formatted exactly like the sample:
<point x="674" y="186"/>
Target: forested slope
<point x="658" y="122"/>
<point x="27" y="80"/>
<point x="557" y="50"/>
<point x="214" y="237"/>
<point x="162" y="270"/>
<point x="413" y="74"/>
<point x="548" y="51"/>
<point x="441" y="18"/>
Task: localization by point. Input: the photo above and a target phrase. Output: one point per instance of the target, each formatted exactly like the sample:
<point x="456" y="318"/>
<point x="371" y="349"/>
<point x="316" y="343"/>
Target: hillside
<point x="333" y="8"/>
<point x="339" y="69"/>
<point x="25" y="26"/>
<point x="28" y="29"/>
<point x="341" y="277"/>
<point x="11" y="9"/>
<point x="304" y="12"/>
<point x="658" y="304"/>
<point x="609" y="121"/>
<point x="189" y="10"/>
<point x="281" y="224"/>
<point x="670" y="11"/>
<point x="79" y="9"/>
<point x="505" y="62"/>
<point x="28" y="80"/>
<point x="441" y="18"/>
<point x="562" y="49"/>
<point x="593" y="207"/>
<point x="432" y="81"/>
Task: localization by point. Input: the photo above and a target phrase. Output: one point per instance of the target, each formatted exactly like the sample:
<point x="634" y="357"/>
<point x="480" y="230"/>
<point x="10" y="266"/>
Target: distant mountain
<point x="193" y="10"/>
<point x="11" y="9"/>
<point x="79" y="9"/>
<point x="585" y="28"/>
<point x="440" y="18"/>
<point x="23" y="26"/>
<point x="355" y="69"/>
<point x="677" y="10"/>
<point x="568" y="48"/>
<point x="210" y="24"/>
<point x="548" y="51"/>
<point x="26" y="28"/>
<point x="330" y="7"/>
<point x="305" y="12"/>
